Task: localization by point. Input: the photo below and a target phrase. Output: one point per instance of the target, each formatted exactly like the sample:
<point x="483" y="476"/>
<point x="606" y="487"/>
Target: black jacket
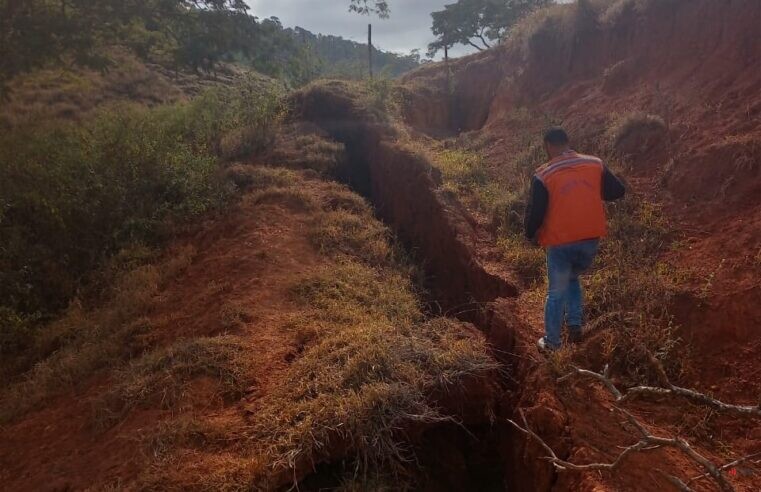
<point x="612" y="189"/>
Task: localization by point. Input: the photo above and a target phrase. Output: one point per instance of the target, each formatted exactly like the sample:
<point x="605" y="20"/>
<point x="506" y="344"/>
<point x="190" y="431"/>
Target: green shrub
<point x="73" y="194"/>
<point x="462" y="169"/>
<point x="381" y="95"/>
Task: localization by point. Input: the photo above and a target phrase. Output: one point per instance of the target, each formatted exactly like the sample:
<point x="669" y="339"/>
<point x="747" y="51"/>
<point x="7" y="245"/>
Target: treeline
<point x="342" y="58"/>
<point x="192" y="35"/>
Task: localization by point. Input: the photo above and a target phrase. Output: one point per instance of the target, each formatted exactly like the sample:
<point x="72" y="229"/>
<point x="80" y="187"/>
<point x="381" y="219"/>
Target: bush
<point x="631" y="291"/>
<point x="636" y="132"/>
<point x="74" y="194"/>
<point x="462" y="169"/>
<point x="381" y="95"/>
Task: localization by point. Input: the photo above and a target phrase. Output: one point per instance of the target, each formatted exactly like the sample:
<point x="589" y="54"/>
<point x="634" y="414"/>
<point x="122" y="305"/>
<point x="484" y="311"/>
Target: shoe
<point x="575" y="334"/>
<point x="544" y="346"/>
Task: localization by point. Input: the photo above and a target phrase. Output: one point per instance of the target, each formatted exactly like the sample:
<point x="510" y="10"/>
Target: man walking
<point x="566" y="216"/>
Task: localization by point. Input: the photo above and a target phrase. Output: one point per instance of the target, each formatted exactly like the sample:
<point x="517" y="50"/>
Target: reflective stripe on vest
<point x="575" y="211"/>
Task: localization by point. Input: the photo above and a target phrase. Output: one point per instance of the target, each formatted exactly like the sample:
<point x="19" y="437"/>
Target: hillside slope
<point x="694" y="66"/>
<point x="280" y="335"/>
<point x="296" y="340"/>
<point x="669" y="93"/>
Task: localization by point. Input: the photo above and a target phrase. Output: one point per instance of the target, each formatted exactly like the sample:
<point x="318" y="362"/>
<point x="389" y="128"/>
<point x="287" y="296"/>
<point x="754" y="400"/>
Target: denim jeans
<point x="564" y="295"/>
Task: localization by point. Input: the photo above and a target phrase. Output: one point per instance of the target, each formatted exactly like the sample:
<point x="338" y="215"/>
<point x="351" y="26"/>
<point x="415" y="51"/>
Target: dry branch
<point x="728" y="466"/>
<point x="670" y="389"/>
<point x="649" y="441"/>
<point x="676" y="482"/>
<point x="561" y="464"/>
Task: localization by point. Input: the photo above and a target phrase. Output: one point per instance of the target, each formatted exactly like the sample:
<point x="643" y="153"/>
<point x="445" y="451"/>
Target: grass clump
<point x="162" y="377"/>
<point x="344" y="233"/>
<point x="294" y="198"/>
<point x="367" y="376"/>
<point x="381" y="96"/>
<point x="461" y="169"/>
<point x="635" y="132"/>
<point x="299" y="147"/>
<point x="69" y="350"/>
<point x="340" y="291"/>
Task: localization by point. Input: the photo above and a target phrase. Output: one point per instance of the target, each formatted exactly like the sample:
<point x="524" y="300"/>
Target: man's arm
<point x="536" y="208"/>
<point x="612" y="187"/>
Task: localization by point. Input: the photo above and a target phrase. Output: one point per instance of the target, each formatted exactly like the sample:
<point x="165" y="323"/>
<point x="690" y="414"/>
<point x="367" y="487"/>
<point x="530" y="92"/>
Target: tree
<point x="37" y="33"/>
<point x="206" y="37"/>
<point x="478" y="23"/>
<point x="366" y="7"/>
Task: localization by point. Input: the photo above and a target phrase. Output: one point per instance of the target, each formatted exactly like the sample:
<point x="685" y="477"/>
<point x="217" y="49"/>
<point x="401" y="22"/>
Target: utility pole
<point x="370" y="48"/>
<point x="450" y="99"/>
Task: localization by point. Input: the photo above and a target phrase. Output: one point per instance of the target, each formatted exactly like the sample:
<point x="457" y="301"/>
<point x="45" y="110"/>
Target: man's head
<point x="556" y="142"/>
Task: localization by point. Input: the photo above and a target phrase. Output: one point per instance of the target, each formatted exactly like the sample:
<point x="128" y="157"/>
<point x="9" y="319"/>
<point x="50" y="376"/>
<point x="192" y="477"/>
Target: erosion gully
<point x="482" y="453"/>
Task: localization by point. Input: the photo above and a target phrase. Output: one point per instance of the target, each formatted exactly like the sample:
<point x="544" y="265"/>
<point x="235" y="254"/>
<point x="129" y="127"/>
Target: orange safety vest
<point x="575" y="211"/>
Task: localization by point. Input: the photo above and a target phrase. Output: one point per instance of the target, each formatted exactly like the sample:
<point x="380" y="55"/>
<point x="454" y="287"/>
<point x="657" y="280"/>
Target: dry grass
<point x="368" y="374"/>
<point x="370" y="359"/>
<point x="71" y="349"/>
<point x="301" y="146"/>
<point x="161" y="378"/>
<point x="367" y="365"/>
<point x="259" y="178"/>
<point x="631" y="133"/>
<point x="74" y="94"/>
<point x="344" y="233"/>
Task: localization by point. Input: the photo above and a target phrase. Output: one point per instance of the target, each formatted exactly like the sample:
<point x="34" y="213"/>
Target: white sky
<point x="408" y="28"/>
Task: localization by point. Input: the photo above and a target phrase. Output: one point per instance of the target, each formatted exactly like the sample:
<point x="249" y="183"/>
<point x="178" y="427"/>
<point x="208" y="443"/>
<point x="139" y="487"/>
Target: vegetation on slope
<point x="75" y="194"/>
<point x="363" y="377"/>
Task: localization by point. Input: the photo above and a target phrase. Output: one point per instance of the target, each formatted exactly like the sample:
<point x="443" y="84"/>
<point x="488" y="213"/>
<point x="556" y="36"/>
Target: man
<point x="566" y="216"/>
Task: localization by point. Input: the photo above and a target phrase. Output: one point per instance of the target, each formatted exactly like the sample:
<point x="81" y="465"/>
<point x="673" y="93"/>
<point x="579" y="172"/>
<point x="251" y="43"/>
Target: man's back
<point x="575" y="209"/>
<point x="566" y="215"/>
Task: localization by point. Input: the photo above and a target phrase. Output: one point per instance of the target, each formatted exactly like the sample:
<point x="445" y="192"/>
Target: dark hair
<point x="556" y="136"/>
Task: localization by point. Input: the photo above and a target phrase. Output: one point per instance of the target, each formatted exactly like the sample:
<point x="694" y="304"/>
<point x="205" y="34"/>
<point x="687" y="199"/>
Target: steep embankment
<point x="669" y="92"/>
<point x="279" y="342"/>
<point x="284" y="342"/>
<point x="694" y="67"/>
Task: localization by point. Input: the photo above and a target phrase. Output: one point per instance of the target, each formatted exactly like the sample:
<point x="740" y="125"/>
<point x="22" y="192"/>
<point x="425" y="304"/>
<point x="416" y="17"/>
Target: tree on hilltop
<point x="478" y="23"/>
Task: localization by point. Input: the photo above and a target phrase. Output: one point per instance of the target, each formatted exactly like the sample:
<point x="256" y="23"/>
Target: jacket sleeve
<point x="536" y="208"/>
<point x="612" y="187"/>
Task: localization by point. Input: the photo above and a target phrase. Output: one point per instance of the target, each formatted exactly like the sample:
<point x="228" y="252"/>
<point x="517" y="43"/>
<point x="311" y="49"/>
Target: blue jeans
<point x="564" y="295"/>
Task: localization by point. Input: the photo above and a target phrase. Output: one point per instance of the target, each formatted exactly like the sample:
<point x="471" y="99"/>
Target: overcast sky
<point x="408" y="28"/>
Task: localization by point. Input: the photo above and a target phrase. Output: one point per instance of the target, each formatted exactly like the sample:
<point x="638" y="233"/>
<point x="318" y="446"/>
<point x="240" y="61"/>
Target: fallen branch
<point x="676" y="482"/>
<point x="728" y="466"/>
<point x="670" y="389"/>
<point x="562" y="464"/>
<point x="648" y="440"/>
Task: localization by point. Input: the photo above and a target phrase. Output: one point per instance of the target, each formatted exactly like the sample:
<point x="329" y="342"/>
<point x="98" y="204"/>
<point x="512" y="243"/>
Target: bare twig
<point x="600" y="377"/>
<point x="700" y="398"/>
<point x="670" y="389"/>
<point x="676" y="482"/>
<point x="682" y="445"/>
<point x="728" y="466"/>
<point x="561" y="464"/>
<point x="647" y="439"/>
